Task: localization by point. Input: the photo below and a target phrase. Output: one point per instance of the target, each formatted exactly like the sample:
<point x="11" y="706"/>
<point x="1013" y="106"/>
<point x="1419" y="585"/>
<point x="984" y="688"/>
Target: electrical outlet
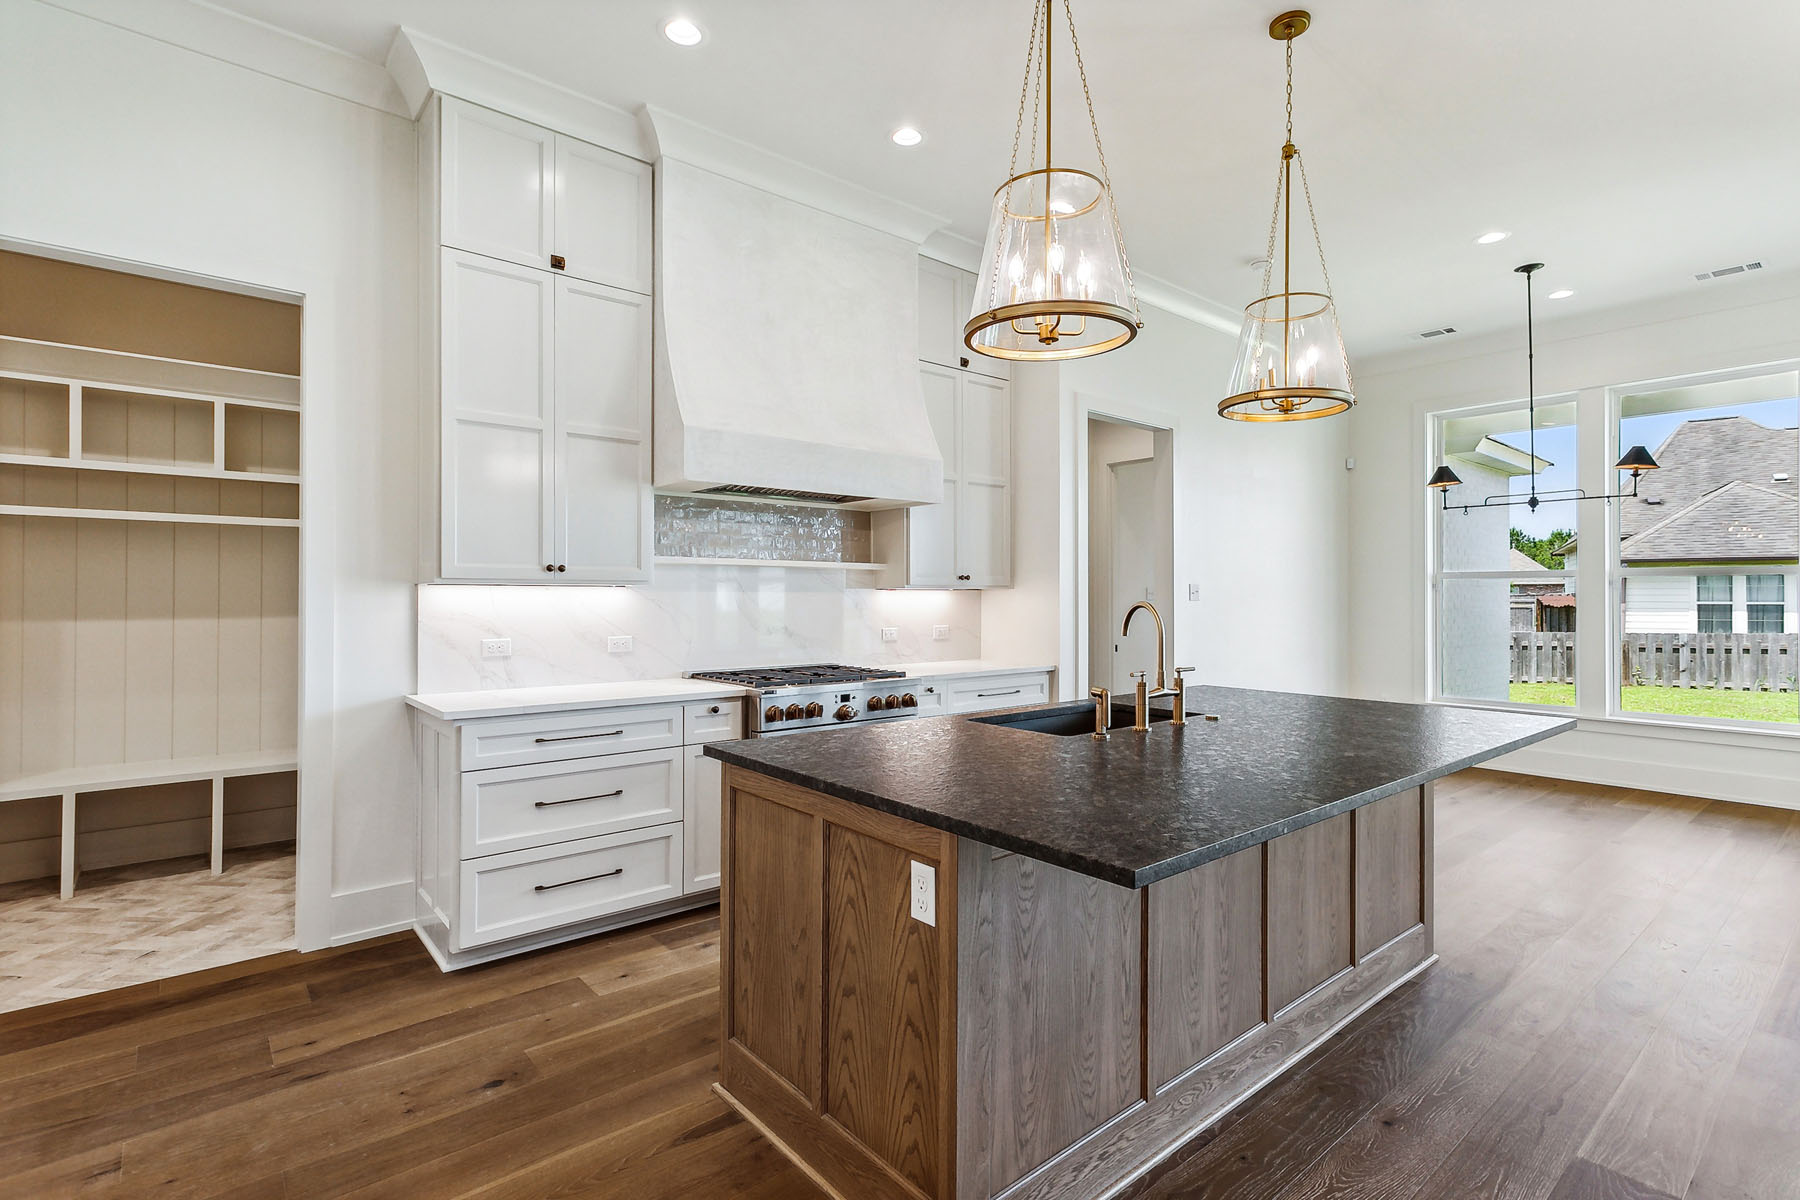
<point x="1193" y="591"/>
<point x="890" y="633"/>
<point x="496" y="647"/>
<point x="619" y="645"/>
<point x="924" y="893"/>
<point x="940" y="633"/>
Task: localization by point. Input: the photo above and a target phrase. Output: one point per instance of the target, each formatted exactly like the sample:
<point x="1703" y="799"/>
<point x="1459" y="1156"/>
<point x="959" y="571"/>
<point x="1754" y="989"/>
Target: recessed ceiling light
<point x="1562" y="293"/>
<point x="683" y="32"/>
<point x="906" y="135"/>
<point x="1488" y="239"/>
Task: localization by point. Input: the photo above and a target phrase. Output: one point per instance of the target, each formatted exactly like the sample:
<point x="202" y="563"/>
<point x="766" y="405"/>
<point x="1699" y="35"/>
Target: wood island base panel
<point x="1052" y="1035"/>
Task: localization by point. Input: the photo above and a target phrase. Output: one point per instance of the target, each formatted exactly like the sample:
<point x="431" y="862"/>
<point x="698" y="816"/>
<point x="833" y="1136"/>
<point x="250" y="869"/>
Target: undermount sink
<point x="1067" y="720"/>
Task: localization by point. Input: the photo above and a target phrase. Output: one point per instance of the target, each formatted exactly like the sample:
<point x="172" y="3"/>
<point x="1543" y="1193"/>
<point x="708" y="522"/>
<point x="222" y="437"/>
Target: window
<point x="1712" y="603"/>
<point x="1708" y="551"/>
<point x="1505" y="602"/>
<point x="1765" y="604"/>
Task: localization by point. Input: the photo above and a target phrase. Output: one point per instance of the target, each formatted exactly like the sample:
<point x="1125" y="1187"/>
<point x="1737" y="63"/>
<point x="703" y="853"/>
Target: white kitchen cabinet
<point x="946" y="294"/>
<point x="528" y="195"/>
<point x="702" y="818"/>
<point x="545" y="391"/>
<point x="965" y="540"/>
<point x="985" y="693"/>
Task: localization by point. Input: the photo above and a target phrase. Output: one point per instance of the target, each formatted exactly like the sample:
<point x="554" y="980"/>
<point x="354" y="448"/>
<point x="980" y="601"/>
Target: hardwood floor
<point x="1616" y="1014"/>
<point x="128" y="925"/>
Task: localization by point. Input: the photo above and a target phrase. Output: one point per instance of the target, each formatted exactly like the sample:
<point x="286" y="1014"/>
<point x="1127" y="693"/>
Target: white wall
<point x="1259" y="518"/>
<point x="121" y="145"/>
<point x="1732" y="324"/>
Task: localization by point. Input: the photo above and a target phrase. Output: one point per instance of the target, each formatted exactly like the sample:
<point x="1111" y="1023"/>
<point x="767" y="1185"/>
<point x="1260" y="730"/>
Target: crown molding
<point x="698" y="145"/>
<point x="248" y="43"/>
<point x="420" y="64"/>
<point x="1191" y="306"/>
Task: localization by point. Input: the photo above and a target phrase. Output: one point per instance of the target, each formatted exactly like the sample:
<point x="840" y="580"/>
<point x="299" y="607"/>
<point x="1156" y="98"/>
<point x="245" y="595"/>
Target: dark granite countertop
<point x="1136" y="808"/>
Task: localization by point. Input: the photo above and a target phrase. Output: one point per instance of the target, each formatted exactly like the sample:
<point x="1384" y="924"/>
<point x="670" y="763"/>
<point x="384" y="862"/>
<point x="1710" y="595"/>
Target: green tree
<point x="1543" y="550"/>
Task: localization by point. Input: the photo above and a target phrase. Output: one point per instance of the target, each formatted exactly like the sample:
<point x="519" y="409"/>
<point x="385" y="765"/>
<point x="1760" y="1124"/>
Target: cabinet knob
<point x="556" y="262"/>
<point x="964" y="361"/>
<point x="551" y="567"/>
<point x="964" y="578"/>
<point x="714" y="709"/>
<point x="562" y="566"/>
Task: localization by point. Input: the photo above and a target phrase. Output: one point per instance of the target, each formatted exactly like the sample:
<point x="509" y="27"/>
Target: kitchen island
<point x="997" y="956"/>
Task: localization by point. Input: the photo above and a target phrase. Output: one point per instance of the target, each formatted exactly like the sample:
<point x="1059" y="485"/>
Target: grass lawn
<point x="1677" y="702"/>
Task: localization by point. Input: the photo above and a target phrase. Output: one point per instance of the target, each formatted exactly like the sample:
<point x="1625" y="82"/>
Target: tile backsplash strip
<point x="693" y="617"/>
<point x="704" y="527"/>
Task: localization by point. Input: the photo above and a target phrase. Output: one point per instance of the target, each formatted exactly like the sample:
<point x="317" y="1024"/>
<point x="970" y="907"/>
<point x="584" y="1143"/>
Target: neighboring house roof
<point x="1740" y="521"/>
<point x="1699" y="462"/>
<point x="1521" y="561"/>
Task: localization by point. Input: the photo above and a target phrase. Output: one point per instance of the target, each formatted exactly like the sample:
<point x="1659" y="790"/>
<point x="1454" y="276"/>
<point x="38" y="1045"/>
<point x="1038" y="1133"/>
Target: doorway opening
<point x="1131" y="547"/>
<point x="149" y="626"/>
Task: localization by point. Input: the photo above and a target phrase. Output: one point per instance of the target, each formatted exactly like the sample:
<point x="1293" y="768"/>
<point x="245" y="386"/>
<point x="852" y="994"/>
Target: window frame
<point x="1705" y="610"/>
<point x="1754" y="607"/>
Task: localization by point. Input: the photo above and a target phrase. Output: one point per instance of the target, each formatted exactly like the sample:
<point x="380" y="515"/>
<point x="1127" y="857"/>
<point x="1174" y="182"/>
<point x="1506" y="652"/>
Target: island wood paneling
<point x="774" y="939"/>
<point x="1205" y="958"/>
<point x="1309" y="909"/>
<point x="1389" y="882"/>
<point x="1050" y="1029"/>
<point x="883" y="1023"/>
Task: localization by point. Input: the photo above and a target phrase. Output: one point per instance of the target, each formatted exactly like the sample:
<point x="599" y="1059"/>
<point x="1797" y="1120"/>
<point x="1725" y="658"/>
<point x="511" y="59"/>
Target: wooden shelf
<point x="118" y="514"/>
<point x="130" y="468"/>
<point x="666" y="560"/>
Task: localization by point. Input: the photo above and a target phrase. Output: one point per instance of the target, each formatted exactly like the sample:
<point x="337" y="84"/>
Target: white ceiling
<point x="1628" y="144"/>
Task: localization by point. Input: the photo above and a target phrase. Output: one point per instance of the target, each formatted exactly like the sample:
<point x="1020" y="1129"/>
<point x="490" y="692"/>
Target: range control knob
<point x="815" y="709"/>
<point x="845" y="713"/>
<point x="893" y="702"/>
<point x="909" y="701"/>
<point x="876" y="704"/>
<point x="795" y="712"/>
<point x="772" y="714"/>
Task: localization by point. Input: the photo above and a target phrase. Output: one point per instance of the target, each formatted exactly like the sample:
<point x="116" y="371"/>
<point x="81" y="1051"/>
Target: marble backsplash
<point x="692" y="618"/>
<point x="706" y="527"/>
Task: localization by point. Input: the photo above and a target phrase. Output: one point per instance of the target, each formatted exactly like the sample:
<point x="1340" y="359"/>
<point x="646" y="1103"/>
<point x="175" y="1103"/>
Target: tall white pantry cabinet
<point x="537" y="293"/>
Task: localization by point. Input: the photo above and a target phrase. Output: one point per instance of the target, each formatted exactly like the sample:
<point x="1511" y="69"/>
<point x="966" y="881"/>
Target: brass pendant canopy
<point x="1291" y="364"/>
<point x="1055" y="282"/>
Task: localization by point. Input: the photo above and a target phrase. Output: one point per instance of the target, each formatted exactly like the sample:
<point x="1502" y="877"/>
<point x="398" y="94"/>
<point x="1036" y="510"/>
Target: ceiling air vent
<point x="1438" y="333"/>
<point x="1722" y="272"/>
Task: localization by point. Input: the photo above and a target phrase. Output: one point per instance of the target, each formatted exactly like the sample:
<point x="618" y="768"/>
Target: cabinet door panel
<point x="704" y="781"/>
<point x="497" y="184"/>
<point x="602" y="501"/>
<point x="931" y="528"/>
<point x="984" y="433"/>
<point x="983" y="542"/>
<point x="940" y="315"/>
<point x="603" y="215"/>
<point x="496" y="393"/>
<point x="984" y="509"/>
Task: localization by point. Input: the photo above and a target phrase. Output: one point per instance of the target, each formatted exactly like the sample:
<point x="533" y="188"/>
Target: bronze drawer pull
<point x="578" y="799"/>
<point x="576" y="737"/>
<point x="985" y="695"/>
<point x="551" y="887"/>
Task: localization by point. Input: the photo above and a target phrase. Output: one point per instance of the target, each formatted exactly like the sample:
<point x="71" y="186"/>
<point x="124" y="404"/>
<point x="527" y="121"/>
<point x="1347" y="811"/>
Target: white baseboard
<point x="371" y="912"/>
<point x="1706" y="778"/>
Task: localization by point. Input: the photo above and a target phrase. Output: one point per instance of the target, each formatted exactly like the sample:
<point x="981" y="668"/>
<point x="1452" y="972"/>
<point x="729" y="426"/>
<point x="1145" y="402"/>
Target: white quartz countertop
<point x="515" y="702"/>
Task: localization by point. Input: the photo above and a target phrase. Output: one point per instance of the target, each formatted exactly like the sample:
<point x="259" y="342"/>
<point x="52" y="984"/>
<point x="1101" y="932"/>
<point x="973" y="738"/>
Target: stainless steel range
<point x="819" y="696"/>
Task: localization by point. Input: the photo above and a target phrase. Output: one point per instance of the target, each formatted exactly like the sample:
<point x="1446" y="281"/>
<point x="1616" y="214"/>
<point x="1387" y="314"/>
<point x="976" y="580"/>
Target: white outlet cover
<point x="940" y="633"/>
<point x="890" y="633"/>
<point x="924" y="893"/>
<point x="1193" y="591"/>
<point x="619" y="645"/>
<point x="496" y="647"/>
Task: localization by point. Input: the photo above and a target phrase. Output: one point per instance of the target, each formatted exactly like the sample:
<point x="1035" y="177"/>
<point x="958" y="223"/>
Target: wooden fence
<point x="1744" y="662"/>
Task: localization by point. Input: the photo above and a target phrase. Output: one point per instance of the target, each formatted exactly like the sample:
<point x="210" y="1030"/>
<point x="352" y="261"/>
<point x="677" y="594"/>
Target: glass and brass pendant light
<point x="1055" y="282"/>
<point x="1637" y="460"/>
<point x="1291" y="364"/>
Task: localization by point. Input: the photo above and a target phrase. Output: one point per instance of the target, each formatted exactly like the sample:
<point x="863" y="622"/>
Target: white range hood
<point x="786" y="350"/>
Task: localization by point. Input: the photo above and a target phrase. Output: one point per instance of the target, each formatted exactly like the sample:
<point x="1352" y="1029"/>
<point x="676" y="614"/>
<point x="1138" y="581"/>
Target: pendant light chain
<point x="1100" y="153"/>
<point x="1306" y="188"/>
<point x="1033" y="70"/>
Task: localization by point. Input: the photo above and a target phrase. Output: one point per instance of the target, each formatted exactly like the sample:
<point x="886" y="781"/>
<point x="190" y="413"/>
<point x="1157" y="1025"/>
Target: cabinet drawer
<point x="528" y="891"/>
<point x="712" y="721"/>
<point x="510" y="740"/>
<point x="511" y="808"/>
<point x="988" y="692"/>
<point x="933" y="700"/>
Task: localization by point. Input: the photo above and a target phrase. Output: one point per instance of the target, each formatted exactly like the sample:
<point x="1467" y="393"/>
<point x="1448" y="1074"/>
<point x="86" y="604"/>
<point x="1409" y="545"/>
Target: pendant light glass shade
<point x="1055" y="282"/>
<point x="1291" y="364"/>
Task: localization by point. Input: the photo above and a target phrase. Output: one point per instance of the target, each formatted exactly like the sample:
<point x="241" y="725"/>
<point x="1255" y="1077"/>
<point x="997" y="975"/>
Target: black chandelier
<point x="1637" y="460"/>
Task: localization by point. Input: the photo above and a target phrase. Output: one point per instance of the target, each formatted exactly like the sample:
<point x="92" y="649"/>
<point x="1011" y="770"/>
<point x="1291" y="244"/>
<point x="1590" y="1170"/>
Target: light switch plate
<point x="619" y="645"/>
<point x="890" y="633"/>
<point x="496" y="647"/>
<point x="924" y="893"/>
<point x="940" y="633"/>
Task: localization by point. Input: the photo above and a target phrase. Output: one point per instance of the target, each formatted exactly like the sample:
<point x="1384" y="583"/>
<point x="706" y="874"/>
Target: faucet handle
<point x="1140" y="674"/>
<point x="1180" y="671"/>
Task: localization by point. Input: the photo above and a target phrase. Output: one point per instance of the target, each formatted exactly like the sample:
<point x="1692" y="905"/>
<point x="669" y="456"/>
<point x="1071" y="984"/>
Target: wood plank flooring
<point x="130" y="925"/>
<point x="1617" y="1014"/>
